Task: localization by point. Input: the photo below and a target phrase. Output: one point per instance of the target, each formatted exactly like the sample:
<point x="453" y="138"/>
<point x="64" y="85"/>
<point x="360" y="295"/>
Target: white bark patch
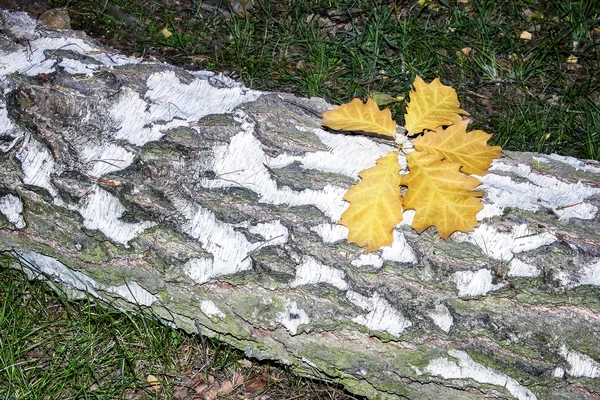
<point x="19" y="24"/>
<point x="210" y="309"/>
<point x="37" y="164"/>
<point x="466" y="368"/>
<point x="574" y="162"/>
<point x="77" y="67"/>
<point x="311" y="272"/>
<point x="101" y="210"/>
<point x="504" y="245"/>
<point x="136" y="123"/>
<point x="12" y="208"/>
<point x="169" y="103"/>
<point x="442" y="317"/>
<point x="580" y="364"/>
<point x="307" y="361"/>
<point x="240" y="164"/>
<point x="331" y="233"/>
<point x="400" y="251"/>
<point x="57" y="271"/>
<point x="172" y="99"/>
<point x="475" y="283"/>
<point x="581" y="211"/>
<point x="522" y="269"/>
<point x="558" y="373"/>
<point x="381" y="315"/>
<point x="8" y="130"/>
<point x="229" y="248"/>
<point x="274" y="232"/>
<point x="292" y="317"/>
<point x="368" y="259"/>
<point x="133" y="293"/>
<point x="31" y="60"/>
<point x="106" y="158"/>
<point x="591" y="274"/>
<point x="363" y="152"/>
<point x="540" y="191"/>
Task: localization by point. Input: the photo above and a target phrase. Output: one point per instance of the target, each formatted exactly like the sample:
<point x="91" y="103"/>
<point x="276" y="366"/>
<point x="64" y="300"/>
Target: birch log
<point x="189" y="194"/>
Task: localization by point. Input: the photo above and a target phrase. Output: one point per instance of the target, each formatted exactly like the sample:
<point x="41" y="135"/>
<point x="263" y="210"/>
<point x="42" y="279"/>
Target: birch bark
<point x="185" y="192"/>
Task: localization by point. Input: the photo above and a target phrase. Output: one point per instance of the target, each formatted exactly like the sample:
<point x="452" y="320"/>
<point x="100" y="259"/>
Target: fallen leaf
<point x="201" y="388"/>
<point x="383" y="99"/>
<point x="212" y="392"/>
<point x="238" y="379"/>
<point x="257" y="384"/>
<point x="431" y="105"/>
<point x="525" y="35"/>
<point x="440" y="195"/>
<point x="166" y="33"/>
<point x="456" y="145"/>
<point x="226" y="388"/>
<point x="375" y="204"/>
<point x="154" y="382"/>
<point x="466" y="50"/>
<point x="356" y="116"/>
<point x="572" y="59"/>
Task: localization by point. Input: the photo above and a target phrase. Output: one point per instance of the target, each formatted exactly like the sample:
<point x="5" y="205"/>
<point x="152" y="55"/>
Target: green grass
<point x="522" y="91"/>
<point x="54" y="348"/>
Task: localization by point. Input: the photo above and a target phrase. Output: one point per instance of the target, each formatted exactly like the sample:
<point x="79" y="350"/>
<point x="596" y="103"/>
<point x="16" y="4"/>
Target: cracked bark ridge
<point x="189" y="194"/>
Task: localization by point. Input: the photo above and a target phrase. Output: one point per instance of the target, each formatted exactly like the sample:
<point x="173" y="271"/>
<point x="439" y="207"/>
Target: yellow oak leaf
<point x="440" y="195"/>
<point x="356" y="116"/>
<point x="375" y="204"/>
<point x="431" y="105"/>
<point x="454" y="144"/>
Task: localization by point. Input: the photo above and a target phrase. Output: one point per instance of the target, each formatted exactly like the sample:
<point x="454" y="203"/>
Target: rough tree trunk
<point x="198" y="198"/>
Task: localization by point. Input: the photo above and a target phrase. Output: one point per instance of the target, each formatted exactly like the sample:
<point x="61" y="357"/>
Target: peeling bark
<point x="192" y="195"/>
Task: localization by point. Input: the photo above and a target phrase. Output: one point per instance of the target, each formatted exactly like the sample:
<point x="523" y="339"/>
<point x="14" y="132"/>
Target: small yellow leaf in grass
<point x="166" y="33"/>
<point x="375" y="204"/>
<point x="597" y="31"/>
<point x="431" y="105"/>
<point x="423" y="2"/>
<point x="525" y="35"/>
<point x="455" y="144"/>
<point x="356" y="116"/>
<point x="440" y="195"/>
<point x="572" y="59"/>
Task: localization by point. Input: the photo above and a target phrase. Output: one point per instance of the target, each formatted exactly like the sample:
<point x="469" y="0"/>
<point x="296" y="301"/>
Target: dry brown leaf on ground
<point x="257" y="384"/>
<point x="212" y="392"/>
<point x="238" y="379"/>
<point x="226" y="388"/>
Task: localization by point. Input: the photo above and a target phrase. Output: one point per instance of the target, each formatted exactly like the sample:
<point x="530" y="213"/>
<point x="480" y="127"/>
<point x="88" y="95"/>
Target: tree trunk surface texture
<point x="143" y="184"/>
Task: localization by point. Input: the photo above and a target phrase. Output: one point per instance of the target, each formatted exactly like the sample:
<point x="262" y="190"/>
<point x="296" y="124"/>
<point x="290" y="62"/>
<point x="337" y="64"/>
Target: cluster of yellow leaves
<point x="438" y="184"/>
